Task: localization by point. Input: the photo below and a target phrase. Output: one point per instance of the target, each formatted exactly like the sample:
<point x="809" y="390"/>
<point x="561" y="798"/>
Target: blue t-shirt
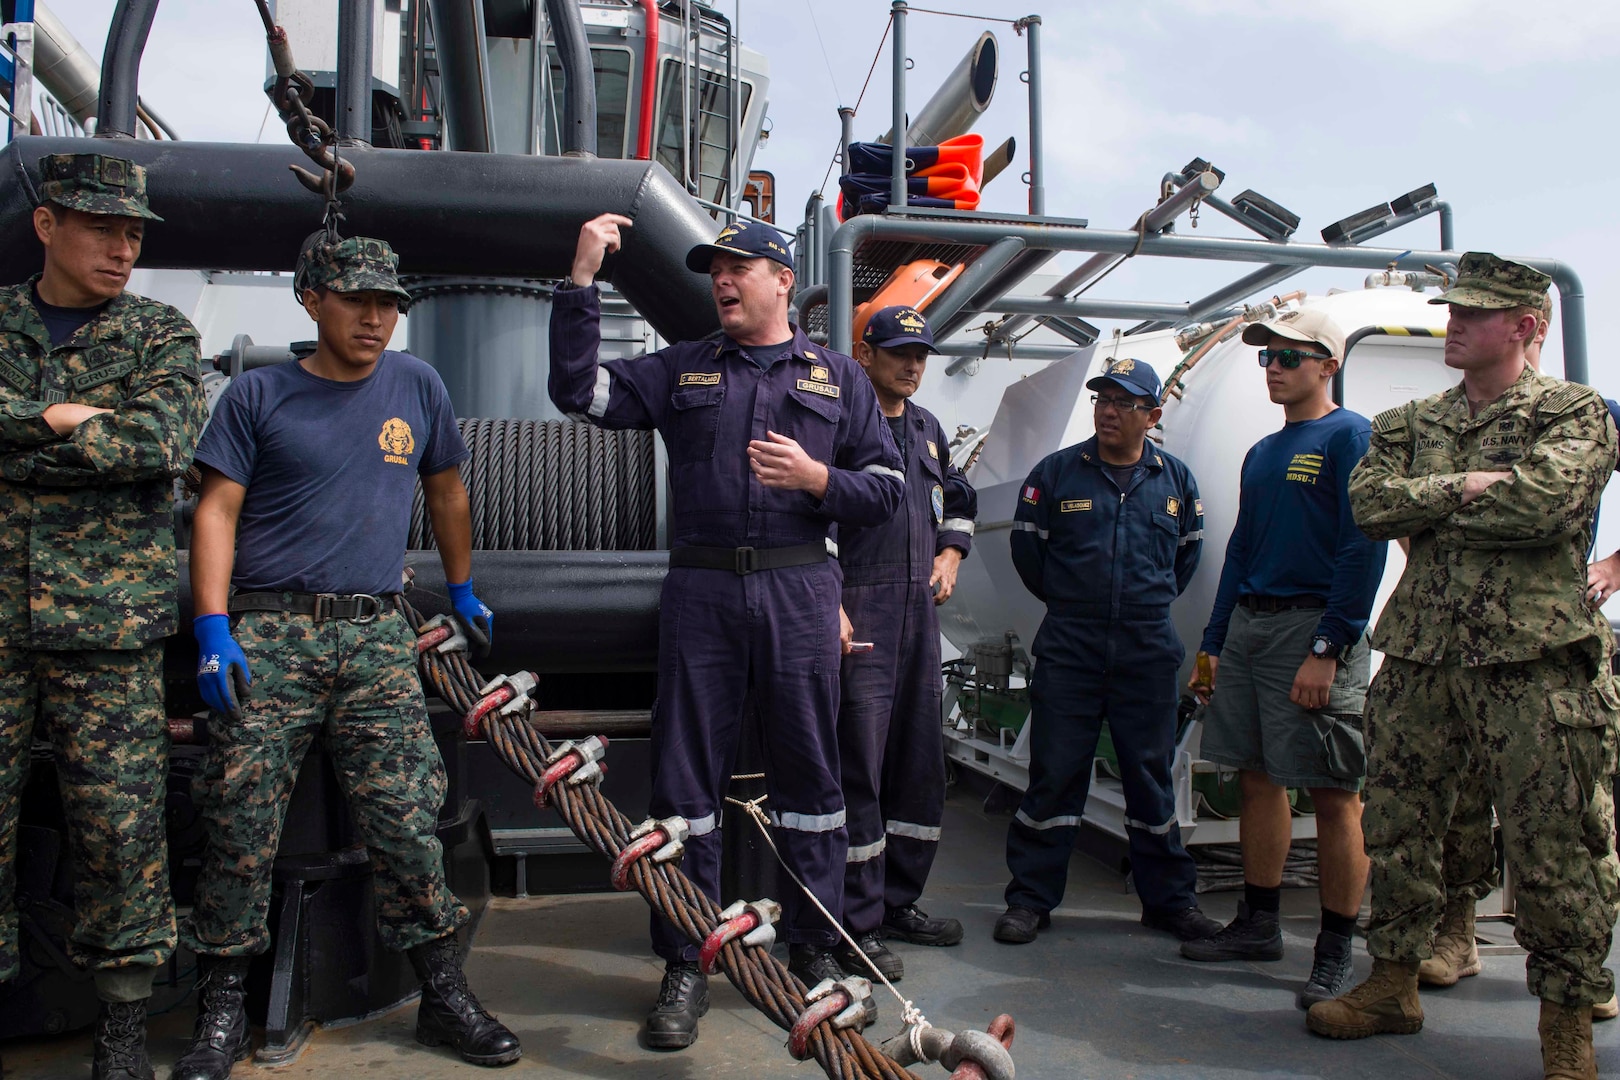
<point x="63" y="322"/>
<point x="1295" y="536"/>
<point x="330" y="470"/>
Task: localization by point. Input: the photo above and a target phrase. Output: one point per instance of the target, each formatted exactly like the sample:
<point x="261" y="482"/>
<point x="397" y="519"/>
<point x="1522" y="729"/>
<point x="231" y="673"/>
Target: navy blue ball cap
<point x="899" y="325"/>
<point x="750" y="239"/>
<point x="1133" y="376"/>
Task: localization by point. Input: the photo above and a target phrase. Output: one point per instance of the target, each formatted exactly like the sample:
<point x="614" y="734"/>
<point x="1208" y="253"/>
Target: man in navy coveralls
<point x="771" y="440"/>
<point x="1107" y="533"/>
<point x="889" y="720"/>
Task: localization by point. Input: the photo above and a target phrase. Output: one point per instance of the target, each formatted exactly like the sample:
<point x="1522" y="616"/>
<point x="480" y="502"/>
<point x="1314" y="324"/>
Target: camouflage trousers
<point x="1469" y="860"/>
<point x="102" y="712"/>
<point x="1541" y="736"/>
<point x="355" y="686"/>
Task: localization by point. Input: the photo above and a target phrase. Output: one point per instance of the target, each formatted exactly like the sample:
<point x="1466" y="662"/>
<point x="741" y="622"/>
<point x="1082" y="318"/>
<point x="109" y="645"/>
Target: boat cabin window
<point x="709" y="107"/>
<point x="612" y="68"/>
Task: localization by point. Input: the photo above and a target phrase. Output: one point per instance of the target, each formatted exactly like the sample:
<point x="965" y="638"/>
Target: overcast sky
<point x="1328" y="107"/>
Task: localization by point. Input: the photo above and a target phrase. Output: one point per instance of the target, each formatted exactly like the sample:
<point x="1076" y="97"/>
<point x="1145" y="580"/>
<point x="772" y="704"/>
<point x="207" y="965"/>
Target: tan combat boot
<point x="1387" y="1003"/>
<point x="1606" y="1010"/>
<point x="1456" y="954"/>
<point x="1566" y="1042"/>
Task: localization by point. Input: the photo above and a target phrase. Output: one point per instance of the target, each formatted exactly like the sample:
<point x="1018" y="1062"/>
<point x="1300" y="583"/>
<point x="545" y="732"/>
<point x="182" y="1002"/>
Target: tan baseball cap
<point x="1301" y="324"/>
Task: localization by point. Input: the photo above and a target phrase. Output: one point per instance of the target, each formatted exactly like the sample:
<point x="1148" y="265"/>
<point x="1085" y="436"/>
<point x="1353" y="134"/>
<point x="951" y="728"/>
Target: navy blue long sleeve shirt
<point x="938" y="512"/>
<point x="1295" y="536"/>
<point x="1082" y="545"/>
<point x="708" y="399"/>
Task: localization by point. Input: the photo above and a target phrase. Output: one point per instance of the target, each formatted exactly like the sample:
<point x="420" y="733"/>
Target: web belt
<point x="748" y="560"/>
<point x="354" y="607"/>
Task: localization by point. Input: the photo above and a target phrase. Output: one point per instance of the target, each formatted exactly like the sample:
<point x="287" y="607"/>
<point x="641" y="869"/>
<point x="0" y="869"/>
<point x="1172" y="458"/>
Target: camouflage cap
<point x="95" y="184"/>
<point x="1486" y="281"/>
<point x="358" y="264"/>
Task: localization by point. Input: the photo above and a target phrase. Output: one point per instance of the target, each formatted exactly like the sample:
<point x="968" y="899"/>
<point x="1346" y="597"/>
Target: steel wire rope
<point x="563" y="526"/>
<point x="582" y="483"/>
<point x="553" y="500"/>
<point x="619" y="482"/>
<point x="607" y="482"/>
<point x="501" y="534"/>
<point x="552" y="485"/>
<point x="760" y="977"/>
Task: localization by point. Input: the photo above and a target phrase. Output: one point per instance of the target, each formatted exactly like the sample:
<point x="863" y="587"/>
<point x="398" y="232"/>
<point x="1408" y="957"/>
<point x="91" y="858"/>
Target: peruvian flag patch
<point x="1032" y="495"/>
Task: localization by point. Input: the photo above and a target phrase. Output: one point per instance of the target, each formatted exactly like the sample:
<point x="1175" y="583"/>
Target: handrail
<point x="1057" y="234"/>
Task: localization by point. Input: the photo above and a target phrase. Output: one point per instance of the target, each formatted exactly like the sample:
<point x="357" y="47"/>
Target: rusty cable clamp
<point x="664" y="840"/>
<point x="844" y="1003"/>
<point x="754" y="921"/>
<point x="577" y="763"/>
<point x="507" y="693"/>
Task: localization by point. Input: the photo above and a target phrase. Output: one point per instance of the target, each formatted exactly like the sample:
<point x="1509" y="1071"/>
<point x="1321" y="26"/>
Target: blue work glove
<point x="476" y="618"/>
<point x="222" y="668"/>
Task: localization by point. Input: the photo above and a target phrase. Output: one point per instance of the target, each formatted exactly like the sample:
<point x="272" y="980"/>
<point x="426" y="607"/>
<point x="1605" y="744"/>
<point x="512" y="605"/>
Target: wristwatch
<point x="1324" y="648"/>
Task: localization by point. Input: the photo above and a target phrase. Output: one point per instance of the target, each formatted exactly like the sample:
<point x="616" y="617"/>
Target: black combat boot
<point x="869" y="948"/>
<point x="450" y="1014"/>
<point x="120" y="1042"/>
<point x="1253" y="935"/>
<point x="1331" y="973"/>
<point x="911" y="923"/>
<point x="814" y="964"/>
<point x="220" y="1038"/>
<point x="1018" y="925"/>
<point x="683" y="998"/>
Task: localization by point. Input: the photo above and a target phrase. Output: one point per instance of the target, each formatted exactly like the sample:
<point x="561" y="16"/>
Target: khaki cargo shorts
<point x="1250" y="723"/>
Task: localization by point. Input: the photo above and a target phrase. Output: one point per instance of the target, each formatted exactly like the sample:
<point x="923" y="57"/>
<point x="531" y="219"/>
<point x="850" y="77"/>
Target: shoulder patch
<point x="1390" y="421"/>
<point x="1567" y="398"/>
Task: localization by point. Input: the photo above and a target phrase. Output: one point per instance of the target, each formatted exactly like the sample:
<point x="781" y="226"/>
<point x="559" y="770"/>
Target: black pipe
<point x="121" y="68"/>
<point x="231" y="206"/>
<point x="458" y="41"/>
<point x="354" y="70"/>
<point x="559" y="611"/>
<point x="556" y="612"/>
<point x="578" y="135"/>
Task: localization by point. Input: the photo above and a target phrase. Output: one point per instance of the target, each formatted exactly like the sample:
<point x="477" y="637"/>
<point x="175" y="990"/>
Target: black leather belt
<point x="354" y="607"/>
<point x="748" y="560"/>
<point x="1273" y="604"/>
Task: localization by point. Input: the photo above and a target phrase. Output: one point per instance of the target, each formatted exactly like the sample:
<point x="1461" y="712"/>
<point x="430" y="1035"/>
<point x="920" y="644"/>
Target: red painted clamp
<point x="441" y="634"/>
<point x="508" y="693"/>
<point x="753" y="921"/>
<point x="578" y="763"/>
<point x="663" y="840"/>
<point x="845" y="1003"/>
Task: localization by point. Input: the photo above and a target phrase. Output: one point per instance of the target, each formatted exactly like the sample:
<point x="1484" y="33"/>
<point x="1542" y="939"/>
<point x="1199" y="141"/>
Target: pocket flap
<point x="1167" y="523"/>
<point x="828" y="408"/>
<point x="697" y="396"/>
<point x="1580" y="708"/>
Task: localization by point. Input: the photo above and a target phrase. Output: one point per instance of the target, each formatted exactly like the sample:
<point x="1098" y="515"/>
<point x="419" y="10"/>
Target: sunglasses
<point x="1288" y="358"/>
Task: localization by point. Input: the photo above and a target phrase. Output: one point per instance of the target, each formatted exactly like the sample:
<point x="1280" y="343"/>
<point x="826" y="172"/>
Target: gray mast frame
<point x="1058" y="234"/>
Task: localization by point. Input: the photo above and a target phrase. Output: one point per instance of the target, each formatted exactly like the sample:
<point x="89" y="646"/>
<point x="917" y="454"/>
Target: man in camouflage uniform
<point x="308" y="473"/>
<point x="1493" y="660"/>
<point x="1469" y="866"/>
<point x="100" y="406"/>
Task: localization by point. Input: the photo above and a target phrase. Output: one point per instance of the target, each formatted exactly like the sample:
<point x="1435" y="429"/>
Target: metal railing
<point x="17" y="69"/>
<point x="1058" y="235"/>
